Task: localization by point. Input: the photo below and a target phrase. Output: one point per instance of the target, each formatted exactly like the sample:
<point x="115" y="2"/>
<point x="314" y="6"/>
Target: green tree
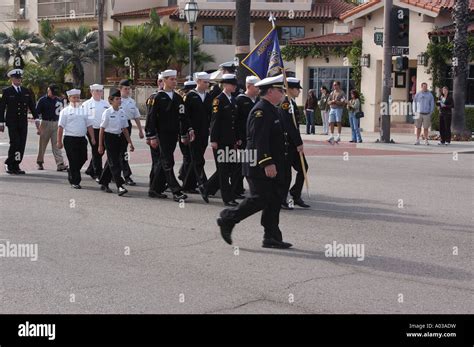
<point x="37" y="77"/>
<point x="20" y="45"/>
<point x="72" y="49"/>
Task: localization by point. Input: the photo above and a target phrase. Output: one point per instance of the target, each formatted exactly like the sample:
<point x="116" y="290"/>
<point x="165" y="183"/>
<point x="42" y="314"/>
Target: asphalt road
<point x="100" y="253"/>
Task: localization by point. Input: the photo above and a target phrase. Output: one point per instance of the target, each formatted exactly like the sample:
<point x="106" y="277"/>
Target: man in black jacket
<point x="266" y="138"/>
<point x="14" y="105"/>
<point x="166" y="123"/>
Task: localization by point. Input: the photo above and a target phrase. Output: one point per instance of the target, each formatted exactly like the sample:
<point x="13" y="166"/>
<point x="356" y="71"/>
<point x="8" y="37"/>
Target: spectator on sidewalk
<point x="48" y="108"/>
<point x="337" y="102"/>
<point x="423" y="107"/>
<point x="353" y="106"/>
<point x="310" y="107"/>
<point x="324" y="107"/>
<point x="445" y="105"/>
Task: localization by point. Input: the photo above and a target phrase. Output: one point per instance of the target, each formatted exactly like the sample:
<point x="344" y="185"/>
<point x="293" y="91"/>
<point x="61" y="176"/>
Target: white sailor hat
<point x="16" y="73"/>
<point x="202" y="76"/>
<point x="229" y="78"/>
<point x="252" y="79"/>
<point x="189" y="85"/>
<point x="96" y="86"/>
<point x="72" y="92"/>
<point x="229" y="66"/>
<point x="271" y="82"/>
<point x="169" y="73"/>
<point x="293" y="83"/>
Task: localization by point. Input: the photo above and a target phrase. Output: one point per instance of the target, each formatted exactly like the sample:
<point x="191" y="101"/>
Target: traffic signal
<point x="401" y="63"/>
<point x="400" y="27"/>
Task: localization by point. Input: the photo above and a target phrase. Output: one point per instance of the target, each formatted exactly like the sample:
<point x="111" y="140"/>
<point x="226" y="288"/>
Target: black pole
<point x="191" y="51"/>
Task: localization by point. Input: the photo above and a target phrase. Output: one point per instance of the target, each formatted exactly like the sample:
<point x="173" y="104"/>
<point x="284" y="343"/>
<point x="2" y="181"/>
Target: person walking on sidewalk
<point x="48" y="108"/>
<point x="423" y="107"/>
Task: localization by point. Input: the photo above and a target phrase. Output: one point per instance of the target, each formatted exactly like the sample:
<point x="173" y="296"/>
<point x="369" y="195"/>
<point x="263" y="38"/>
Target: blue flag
<point x="265" y="59"/>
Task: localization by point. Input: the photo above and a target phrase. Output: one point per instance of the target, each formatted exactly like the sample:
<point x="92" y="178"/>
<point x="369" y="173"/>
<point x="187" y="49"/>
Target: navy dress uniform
<point x="14" y="105"/>
<point x="74" y="123"/>
<point x="244" y="105"/>
<point x="95" y="108"/>
<point x="185" y="149"/>
<point x="294" y="139"/>
<point x="266" y="137"/>
<point x="224" y="131"/>
<point x="114" y="126"/>
<point x="198" y="106"/>
<point x="166" y="123"/>
<point x="157" y="177"/>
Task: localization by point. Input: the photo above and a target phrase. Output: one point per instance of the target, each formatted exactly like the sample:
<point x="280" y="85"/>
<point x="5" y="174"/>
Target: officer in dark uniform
<point x="198" y="105"/>
<point x="295" y="147"/>
<point x="157" y="174"/>
<point x="15" y="101"/>
<point x="245" y="102"/>
<point x="265" y="136"/>
<point x="166" y="123"/>
<point x="186" y="164"/>
<point x="224" y="140"/>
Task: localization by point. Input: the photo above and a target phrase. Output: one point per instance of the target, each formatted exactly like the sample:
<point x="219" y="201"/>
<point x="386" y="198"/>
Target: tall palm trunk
<point x="100" y="15"/>
<point x="460" y="70"/>
<point x="242" y="47"/>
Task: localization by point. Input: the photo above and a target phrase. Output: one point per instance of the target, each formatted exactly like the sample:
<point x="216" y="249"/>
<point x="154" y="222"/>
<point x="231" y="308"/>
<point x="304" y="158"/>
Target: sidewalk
<point x="403" y="142"/>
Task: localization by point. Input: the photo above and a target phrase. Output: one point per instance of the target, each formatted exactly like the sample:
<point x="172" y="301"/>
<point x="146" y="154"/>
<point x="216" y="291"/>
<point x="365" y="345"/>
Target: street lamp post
<point x="191" y="11"/>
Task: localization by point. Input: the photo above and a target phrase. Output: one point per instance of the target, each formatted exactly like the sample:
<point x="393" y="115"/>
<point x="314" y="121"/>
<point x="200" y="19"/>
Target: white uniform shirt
<point x="114" y="121"/>
<point x="129" y="106"/>
<point x="74" y="121"/>
<point x="94" y="110"/>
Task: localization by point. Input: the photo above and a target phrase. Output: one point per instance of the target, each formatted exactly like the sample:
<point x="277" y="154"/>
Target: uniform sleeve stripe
<point x="264" y="160"/>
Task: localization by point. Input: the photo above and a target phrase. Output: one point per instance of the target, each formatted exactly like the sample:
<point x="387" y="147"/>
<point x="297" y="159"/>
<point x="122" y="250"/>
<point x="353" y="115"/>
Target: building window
<point x="217" y="34"/>
<point x="286" y="34"/>
<point x="469" y="84"/>
<point x="325" y="76"/>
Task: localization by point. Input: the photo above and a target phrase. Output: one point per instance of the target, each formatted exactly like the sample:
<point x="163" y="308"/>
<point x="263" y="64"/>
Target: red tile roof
<point x="161" y="11"/>
<point x="323" y="9"/>
<point x="330" y="40"/>
<point x="449" y="30"/>
<point x="431" y="5"/>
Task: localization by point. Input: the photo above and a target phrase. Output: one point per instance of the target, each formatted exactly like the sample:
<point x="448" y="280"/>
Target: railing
<point x="67" y="9"/>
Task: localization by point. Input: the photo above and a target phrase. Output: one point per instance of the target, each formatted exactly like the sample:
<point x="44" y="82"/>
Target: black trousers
<point x="239" y="184"/>
<point x="95" y="164"/>
<point x="127" y="172"/>
<point x="297" y="187"/>
<point x="167" y="147"/>
<point x="185" y="151"/>
<point x="17" y="134"/>
<point x="76" y="151"/>
<point x="224" y="178"/>
<point x="157" y="174"/>
<point x="112" y="168"/>
<point x="195" y="174"/>
<point x="445" y="127"/>
<point x="265" y="196"/>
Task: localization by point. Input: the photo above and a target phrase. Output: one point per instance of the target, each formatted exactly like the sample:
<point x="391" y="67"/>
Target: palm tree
<point x="460" y="67"/>
<point x="72" y="49"/>
<point x="19" y="46"/>
<point x="242" y="48"/>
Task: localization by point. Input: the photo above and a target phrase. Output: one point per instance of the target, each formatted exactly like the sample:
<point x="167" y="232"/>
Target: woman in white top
<point x="112" y="130"/>
<point x="74" y="124"/>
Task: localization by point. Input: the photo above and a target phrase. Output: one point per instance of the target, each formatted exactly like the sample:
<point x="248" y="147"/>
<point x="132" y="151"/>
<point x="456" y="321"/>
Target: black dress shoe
<point x="130" y="182"/>
<point x="231" y="203"/>
<point x="105" y="188"/>
<point x="272" y="243"/>
<point x="19" y="171"/>
<point x="226" y="230"/>
<point x="301" y="203"/>
<point x="239" y="196"/>
<point x="76" y="186"/>
<point x="285" y="206"/>
<point x="153" y="194"/>
<point x="179" y="196"/>
<point x="9" y="170"/>
<point x="203" y="192"/>
<point x="122" y="191"/>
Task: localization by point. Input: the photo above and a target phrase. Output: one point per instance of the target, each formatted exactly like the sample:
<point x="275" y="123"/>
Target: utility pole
<point x="387" y="73"/>
<point x="100" y="16"/>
